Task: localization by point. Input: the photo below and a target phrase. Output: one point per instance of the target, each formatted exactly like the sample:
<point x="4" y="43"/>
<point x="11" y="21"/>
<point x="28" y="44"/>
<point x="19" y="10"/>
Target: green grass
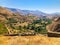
<point x="3" y="29"/>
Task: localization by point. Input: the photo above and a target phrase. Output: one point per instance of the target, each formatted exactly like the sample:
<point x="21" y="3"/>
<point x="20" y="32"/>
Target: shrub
<point x="3" y="29"/>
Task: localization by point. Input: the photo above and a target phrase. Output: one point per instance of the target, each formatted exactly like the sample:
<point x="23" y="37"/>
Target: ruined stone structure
<point x="54" y="28"/>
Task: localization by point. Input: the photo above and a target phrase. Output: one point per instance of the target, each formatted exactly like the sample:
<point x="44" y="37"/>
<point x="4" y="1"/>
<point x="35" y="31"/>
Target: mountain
<point x="11" y="21"/>
<point x="26" y="12"/>
<point x="53" y="15"/>
<point x="37" y="13"/>
<point x="27" y="15"/>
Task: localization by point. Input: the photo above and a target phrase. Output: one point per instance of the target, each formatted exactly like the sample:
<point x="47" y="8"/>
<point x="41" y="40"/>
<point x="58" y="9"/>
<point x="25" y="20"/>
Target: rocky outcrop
<point x="54" y="28"/>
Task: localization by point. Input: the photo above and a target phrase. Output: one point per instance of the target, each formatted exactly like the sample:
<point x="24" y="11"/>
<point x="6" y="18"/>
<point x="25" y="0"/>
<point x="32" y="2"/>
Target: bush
<point x="41" y="29"/>
<point x="12" y="20"/>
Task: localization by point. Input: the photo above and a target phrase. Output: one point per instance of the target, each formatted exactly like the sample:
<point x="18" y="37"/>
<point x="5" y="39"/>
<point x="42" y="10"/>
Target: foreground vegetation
<point x="29" y="40"/>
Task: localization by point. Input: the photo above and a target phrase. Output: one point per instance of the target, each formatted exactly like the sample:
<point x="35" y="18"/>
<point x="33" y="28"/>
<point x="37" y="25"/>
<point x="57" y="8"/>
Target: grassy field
<point x="29" y="40"/>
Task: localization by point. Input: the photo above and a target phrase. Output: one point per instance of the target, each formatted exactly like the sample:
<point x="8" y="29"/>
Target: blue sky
<point x="47" y="6"/>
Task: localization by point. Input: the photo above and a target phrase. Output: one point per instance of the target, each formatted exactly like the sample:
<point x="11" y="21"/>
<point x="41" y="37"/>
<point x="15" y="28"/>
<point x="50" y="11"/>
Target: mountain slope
<point x="14" y="20"/>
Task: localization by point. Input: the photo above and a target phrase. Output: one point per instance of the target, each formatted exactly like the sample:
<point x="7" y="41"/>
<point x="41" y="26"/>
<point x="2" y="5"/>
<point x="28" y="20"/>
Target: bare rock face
<point x="54" y="28"/>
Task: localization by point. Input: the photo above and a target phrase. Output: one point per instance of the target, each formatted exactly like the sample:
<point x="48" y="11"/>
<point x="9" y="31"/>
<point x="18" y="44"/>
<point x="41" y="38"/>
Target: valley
<point x="16" y="23"/>
<point x="32" y="28"/>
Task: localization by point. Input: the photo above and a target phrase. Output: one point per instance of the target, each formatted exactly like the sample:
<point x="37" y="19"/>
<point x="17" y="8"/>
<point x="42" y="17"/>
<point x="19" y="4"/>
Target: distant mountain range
<point x="35" y="13"/>
<point x="26" y="12"/>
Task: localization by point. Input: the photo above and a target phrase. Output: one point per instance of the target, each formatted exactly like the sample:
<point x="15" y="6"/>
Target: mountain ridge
<point x="34" y="13"/>
<point x="26" y="12"/>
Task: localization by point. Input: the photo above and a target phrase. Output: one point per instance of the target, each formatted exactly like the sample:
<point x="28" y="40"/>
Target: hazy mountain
<point x="26" y="12"/>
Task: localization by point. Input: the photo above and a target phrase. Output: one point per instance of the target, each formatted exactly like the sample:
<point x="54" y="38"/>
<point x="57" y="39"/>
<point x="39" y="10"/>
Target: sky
<point x="47" y="6"/>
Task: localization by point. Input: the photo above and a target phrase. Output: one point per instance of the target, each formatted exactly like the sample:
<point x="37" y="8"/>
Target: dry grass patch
<point x="29" y="40"/>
